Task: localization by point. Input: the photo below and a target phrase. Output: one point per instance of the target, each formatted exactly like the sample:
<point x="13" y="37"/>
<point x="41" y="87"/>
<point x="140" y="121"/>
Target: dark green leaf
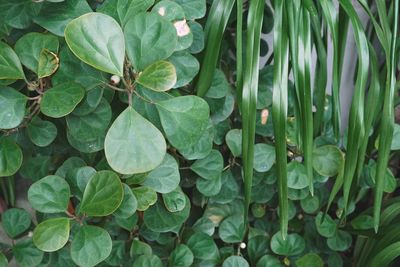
<point x="12" y="110"/>
<point x="15" y="221"/>
<point x="10" y="157"/>
<point x="41" y="132"/>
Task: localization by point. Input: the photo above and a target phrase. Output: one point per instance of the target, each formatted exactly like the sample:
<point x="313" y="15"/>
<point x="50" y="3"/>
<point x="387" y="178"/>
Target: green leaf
<point x="42" y="133"/>
<point x="147" y="261"/>
<point x="10" y="66"/>
<point x="103" y="194"/>
<point x="194" y="9"/>
<point x="310" y="260"/>
<point x="31" y="45"/>
<point x="219" y="87"/>
<point x="297" y="175"/>
<point x="310" y="204"/>
<point x="232" y="229"/>
<point x="209" y="187"/>
<point x="202" y="246"/>
<point x="159" y="76"/>
<point x="48" y="63"/>
<point x="230" y="189"/>
<point x="174" y="201"/>
<point x="169" y="10"/>
<point x="97" y="40"/>
<point x="198" y="37"/>
<point x="49" y="195"/>
<point x="181" y="256"/>
<point x="26" y="254"/>
<point x="15" y="221"/>
<point x="145" y="196"/>
<point x="3" y="260"/>
<point x="12" y="110"/>
<point x="78" y="178"/>
<point x="184" y="120"/>
<point x="133" y="144"/>
<point x="292" y="245"/>
<point x="209" y="167"/>
<point x="396" y="138"/>
<point x="327" y="227"/>
<point x="149" y="38"/>
<point x="19" y="13"/>
<point x="327" y="160"/>
<point x="264" y="157"/>
<point x="234" y="141"/>
<point x="203" y="147"/>
<point x="139" y="248"/>
<point x="51" y="235"/>
<point x="186" y="67"/>
<point x="235" y="261"/>
<point x="165" y="178"/>
<point x="268" y="261"/>
<point x="128" y="205"/>
<point x="90" y="246"/>
<point x="61" y="100"/>
<point x="158" y="219"/>
<point x="10" y="157"/>
<point x="257" y="246"/>
<point x="340" y="241"/>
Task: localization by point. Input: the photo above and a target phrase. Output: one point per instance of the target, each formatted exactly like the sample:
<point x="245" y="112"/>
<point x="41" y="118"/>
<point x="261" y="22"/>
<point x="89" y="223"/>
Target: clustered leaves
<point x="142" y="148"/>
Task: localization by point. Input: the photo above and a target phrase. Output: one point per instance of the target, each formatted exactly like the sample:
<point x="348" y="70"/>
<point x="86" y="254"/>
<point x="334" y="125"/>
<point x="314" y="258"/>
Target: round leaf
<point x="264" y="157"/>
<point x="147" y="261"/>
<point x="133" y="144"/>
<point x="341" y="241"/>
<point x="234" y="141"/>
<point x="42" y="133"/>
<point x="181" y="256"/>
<point x="310" y="260"/>
<point x="49" y="195"/>
<point x="10" y="157"/>
<point x="145" y="196"/>
<point x="327" y="160"/>
<point x="15" y="221"/>
<point x="26" y="254"/>
<point x="61" y="99"/>
<point x="268" y="261"/>
<point x="297" y="175"/>
<point x="293" y="245"/>
<point x="103" y="194"/>
<point x="327" y="227"/>
<point x="159" y="76"/>
<point x="90" y="246"/>
<point x="51" y="235"/>
<point x="128" y="205"/>
<point x="235" y="261"/>
<point x="97" y="40"/>
<point x="174" y="201"/>
<point x="184" y="120"/>
<point x="203" y="246"/>
<point x="232" y="230"/>
<point x="12" y="110"/>
<point x="209" y="167"/>
<point x="10" y="66"/>
<point x="186" y="67"/>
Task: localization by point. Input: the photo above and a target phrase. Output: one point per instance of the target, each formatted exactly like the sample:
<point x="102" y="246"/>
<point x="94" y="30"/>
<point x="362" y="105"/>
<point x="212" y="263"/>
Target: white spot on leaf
<point x="182" y="28"/>
<point x="161" y="11"/>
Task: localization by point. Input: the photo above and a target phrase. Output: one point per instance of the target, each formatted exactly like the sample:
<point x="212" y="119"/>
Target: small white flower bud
<point x="242" y="245"/>
<point x="115" y="80"/>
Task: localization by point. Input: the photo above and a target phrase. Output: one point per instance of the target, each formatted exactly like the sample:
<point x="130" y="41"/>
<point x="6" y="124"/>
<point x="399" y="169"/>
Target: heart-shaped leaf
<point x="327" y="160"/>
<point x="10" y="157"/>
<point x="10" y="66"/>
<point x="51" y="235"/>
<point x="128" y="205"/>
<point x="159" y="76"/>
<point x="133" y="144"/>
<point x="15" y="221"/>
<point x="12" y="110"/>
<point x="292" y="245"/>
<point x="42" y="133"/>
<point x="145" y="196"/>
<point x="235" y="261"/>
<point x="103" y="194"/>
<point x="97" y="40"/>
<point x="209" y="167"/>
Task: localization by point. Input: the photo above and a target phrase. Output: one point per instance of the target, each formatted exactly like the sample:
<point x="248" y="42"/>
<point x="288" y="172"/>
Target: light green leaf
<point x="264" y="157"/>
<point x="10" y="66"/>
<point x="297" y="175"/>
<point x="145" y="196"/>
<point x="133" y="144"/>
<point x="234" y="141"/>
<point x="181" y="256"/>
<point x="310" y="204"/>
<point x="291" y="246"/>
<point x="396" y="138"/>
<point x="51" y="235"/>
<point x="194" y="9"/>
<point x="203" y="147"/>
<point x="26" y="254"/>
<point x="159" y="76"/>
<point x="97" y="40"/>
<point x="10" y="157"/>
<point x="147" y="261"/>
<point x="42" y="133"/>
<point x="169" y="10"/>
<point x="203" y="246"/>
<point x="327" y="160"/>
<point x="128" y="205"/>
<point x="184" y="120"/>
<point x="341" y="241"/>
<point x="268" y="261"/>
<point x="327" y="227"/>
<point x="219" y="87"/>
<point x="103" y="194"/>
<point x="90" y="246"/>
<point x="31" y="45"/>
<point x="48" y="63"/>
<point x="19" y="13"/>
<point x="174" y="201"/>
<point x="232" y="229"/>
<point x="49" y="195"/>
<point x="209" y="187"/>
<point x="15" y="221"/>
<point x="235" y="261"/>
<point x="158" y="219"/>
<point x="78" y="178"/>
<point x="12" y="110"/>
<point x="186" y="67"/>
<point x="165" y="178"/>
<point x="149" y="38"/>
<point x="310" y="260"/>
<point x="209" y="167"/>
<point x="61" y="100"/>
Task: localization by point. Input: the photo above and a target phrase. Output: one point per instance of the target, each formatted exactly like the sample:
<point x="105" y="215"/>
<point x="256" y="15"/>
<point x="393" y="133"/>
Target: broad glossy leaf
<point x="12" y="105"/>
<point x="128" y="205"/>
<point x="327" y="160"/>
<point x="87" y="146"/>
<point x="10" y="66"/>
<point x="203" y="147"/>
<point x="327" y="227"/>
<point x="42" y="133"/>
<point x="310" y="204"/>
<point x="174" y="201"/>
<point x="159" y="76"/>
<point x="10" y="157"/>
<point x="127" y="223"/>
<point x="234" y="141"/>
<point x="49" y="195"/>
<point x="169" y="10"/>
<point x="194" y="9"/>
<point x="232" y="229"/>
<point x="341" y="241"/>
<point x="30" y="46"/>
<point x="264" y="157"/>
<point x="19" y="13"/>
<point x="293" y="245"/>
<point x="103" y="194"/>
<point x="269" y="261"/>
<point x="209" y="187"/>
<point x="26" y="254"/>
<point x="181" y="256"/>
<point x="145" y="196"/>
<point x="48" y="63"/>
<point x="210" y="166"/>
<point x="97" y="40"/>
<point x="90" y="246"/>
<point x="123" y="10"/>
<point x="140" y="248"/>
<point x="165" y="178"/>
<point x="55" y="16"/>
<point x="61" y="100"/>
<point x="202" y="246"/>
<point x="133" y="144"/>
<point x="158" y="219"/>
<point x="78" y="178"/>
<point x="51" y="235"/>
<point x="148" y="261"/>
<point x="149" y="38"/>
<point x="310" y="260"/>
<point x="186" y="67"/>
<point x="235" y="261"/>
<point x="297" y="175"/>
<point x="69" y="164"/>
<point x="184" y="120"/>
<point x="15" y="221"/>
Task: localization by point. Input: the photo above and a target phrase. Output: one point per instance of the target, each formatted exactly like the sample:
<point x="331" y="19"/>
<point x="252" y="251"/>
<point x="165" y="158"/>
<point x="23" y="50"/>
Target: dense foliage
<point x="150" y="135"/>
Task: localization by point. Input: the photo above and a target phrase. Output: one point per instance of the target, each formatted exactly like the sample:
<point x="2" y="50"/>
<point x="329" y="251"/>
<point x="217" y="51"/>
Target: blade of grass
<point x="214" y="30"/>
<point x="279" y="108"/>
<point x="387" y="120"/>
<point x="249" y="98"/>
<point x="239" y="52"/>
<point x="386" y="255"/>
